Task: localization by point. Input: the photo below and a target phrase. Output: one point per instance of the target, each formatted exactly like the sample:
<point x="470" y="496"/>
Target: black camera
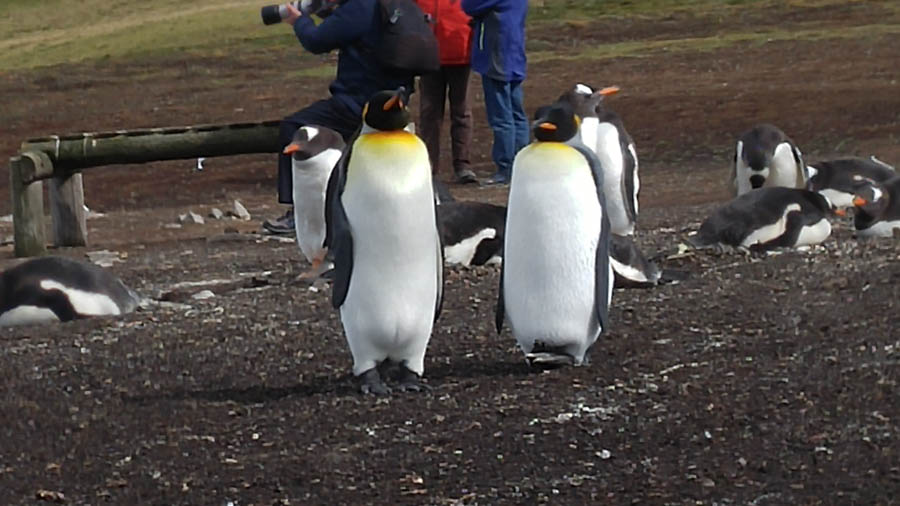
<point x="272" y="14"/>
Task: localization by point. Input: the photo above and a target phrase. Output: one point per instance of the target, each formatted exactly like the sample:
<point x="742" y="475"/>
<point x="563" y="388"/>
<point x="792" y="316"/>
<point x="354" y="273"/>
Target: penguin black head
<point x="555" y="123"/>
<point x="870" y="198"/>
<point x="310" y="140"/>
<point x="386" y="110"/>
<point x="585" y="101"/>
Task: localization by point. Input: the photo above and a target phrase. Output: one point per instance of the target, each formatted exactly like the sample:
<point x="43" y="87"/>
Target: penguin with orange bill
<point x="388" y="265"/>
<point x="766" y="156"/>
<point x="556" y="281"/>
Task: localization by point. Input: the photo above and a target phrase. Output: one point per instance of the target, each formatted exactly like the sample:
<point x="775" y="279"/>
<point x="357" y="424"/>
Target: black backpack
<point x="408" y="44"/>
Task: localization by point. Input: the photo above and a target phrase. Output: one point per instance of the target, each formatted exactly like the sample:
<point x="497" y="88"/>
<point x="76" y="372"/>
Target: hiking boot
<point x="466" y="176"/>
<point x="498" y="179"/>
<point x="283" y="225"/>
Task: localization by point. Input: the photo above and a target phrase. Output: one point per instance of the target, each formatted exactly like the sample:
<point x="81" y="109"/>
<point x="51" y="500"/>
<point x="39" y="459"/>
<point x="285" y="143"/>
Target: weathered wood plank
<point x="67" y="209"/>
<point x="28" y="206"/>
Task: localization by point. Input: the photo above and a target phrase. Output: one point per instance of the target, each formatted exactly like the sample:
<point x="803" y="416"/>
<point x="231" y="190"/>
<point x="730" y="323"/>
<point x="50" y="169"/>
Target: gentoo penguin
<point x="765" y="156"/>
<point x="388" y="266"/>
<point x="54" y="288"/>
<point x="602" y="131"/>
<point x="556" y="280"/>
<point x="471" y="232"/>
<point x="314" y="152"/>
<point x="838" y="179"/>
<point x="768" y="218"/>
<point x="631" y="268"/>
<point x="877" y="208"/>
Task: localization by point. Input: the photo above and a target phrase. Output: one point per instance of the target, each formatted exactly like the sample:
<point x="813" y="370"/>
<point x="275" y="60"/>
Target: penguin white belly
<point x="390" y="305"/>
<point x="814" y="234"/>
<point x="837" y="197"/>
<point x="85" y="303"/>
<point x="880" y="229"/>
<point x="310" y="182"/>
<point x="784" y="171"/>
<point x="463" y="251"/>
<point x="609" y="151"/>
<point x="771" y="231"/>
<point x="27" y="315"/>
<point x="553" y="226"/>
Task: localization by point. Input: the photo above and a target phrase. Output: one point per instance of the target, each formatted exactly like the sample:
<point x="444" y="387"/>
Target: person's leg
<point x="328" y="113"/>
<point x="523" y="127"/>
<point x="497" y="105"/>
<point x="432" y="91"/>
<point x="460" y="121"/>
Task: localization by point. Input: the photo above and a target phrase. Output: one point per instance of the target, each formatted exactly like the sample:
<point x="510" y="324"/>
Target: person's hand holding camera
<point x="293" y="14"/>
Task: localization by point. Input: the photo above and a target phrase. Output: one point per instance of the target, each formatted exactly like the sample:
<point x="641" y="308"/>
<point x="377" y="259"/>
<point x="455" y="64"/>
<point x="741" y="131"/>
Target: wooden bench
<point x="62" y="158"/>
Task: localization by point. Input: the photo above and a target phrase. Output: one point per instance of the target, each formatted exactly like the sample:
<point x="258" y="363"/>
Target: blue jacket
<point x="498" y="48"/>
<point x="354" y="29"/>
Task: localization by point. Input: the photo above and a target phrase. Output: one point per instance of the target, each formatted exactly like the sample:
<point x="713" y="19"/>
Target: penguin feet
<point x="371" y="383"/>
<point x="411" y="382"/>
<point x="548" y="360"/>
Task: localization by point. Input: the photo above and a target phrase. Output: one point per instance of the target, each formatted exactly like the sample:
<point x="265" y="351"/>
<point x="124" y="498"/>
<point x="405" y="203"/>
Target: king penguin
<point x="49" y="289"/>
<point x="556" y="280"/>
<point x="765" y="156"/>
<point x="838" y="179"/>
<point x="603" y="132"/>
<point x="388" y="265"/>
<point x="768" y="218"/>
<point x="877" y="208"/>
<point x="314" y="152"/>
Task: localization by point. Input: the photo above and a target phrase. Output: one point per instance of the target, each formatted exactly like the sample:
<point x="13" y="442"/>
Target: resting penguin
<point x="877" y="208"/>
<point x="388" y="278"/>
<point x="48" y="289"/>
<point x="768" y="218"/>
<point x="471" y="232"/>
<point x="838" y="179"/>
<point x="765" y="156"/>
<point x="556" y="280"/>
<point x="314" y="151"/>
<point x="602" y="131"/>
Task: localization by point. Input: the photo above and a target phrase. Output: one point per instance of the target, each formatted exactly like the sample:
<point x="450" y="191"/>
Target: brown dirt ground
<point x="754" y="381"/>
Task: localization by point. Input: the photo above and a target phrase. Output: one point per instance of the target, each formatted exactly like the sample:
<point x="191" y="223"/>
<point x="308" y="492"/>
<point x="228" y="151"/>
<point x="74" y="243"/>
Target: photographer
<point x="353" y="27"/>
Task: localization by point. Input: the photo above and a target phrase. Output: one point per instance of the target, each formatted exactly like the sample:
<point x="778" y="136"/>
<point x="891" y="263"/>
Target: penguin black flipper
<point x="601" y="261"/>
<point x="439" y="302"/>
<point x="630" y="165"/>
<point x="338" y="238"/>
<point x="500" y="313"/>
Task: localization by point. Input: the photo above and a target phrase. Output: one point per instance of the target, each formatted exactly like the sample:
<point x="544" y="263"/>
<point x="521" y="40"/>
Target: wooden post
<point x="67" y="209"/>
<point x="28" y="206"/>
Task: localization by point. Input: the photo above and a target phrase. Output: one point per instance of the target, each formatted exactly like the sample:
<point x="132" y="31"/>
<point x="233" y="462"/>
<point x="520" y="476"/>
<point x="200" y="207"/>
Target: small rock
<point x="104" y="258"/>
<point x="196" y="218"/>
<point x="182" y="218"/>
<point x="216" y="213"/>
<point x="203" y="294"/>
<point x="172" y="225"/>
<point x="240" y="212"/>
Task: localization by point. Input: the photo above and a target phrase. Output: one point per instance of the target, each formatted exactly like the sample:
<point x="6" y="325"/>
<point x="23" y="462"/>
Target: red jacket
<point x="451" y="27"/>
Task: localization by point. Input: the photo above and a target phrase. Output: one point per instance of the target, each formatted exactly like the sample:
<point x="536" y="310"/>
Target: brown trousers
<point x="452" y="82"/>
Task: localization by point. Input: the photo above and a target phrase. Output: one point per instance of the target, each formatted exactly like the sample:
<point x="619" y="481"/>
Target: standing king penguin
<point x="388" y="278"/>
<point x="765" y="156"/>
<point x="604" y="133"/>
<point x="556" y="280"/>
<point x="314" y="151"/>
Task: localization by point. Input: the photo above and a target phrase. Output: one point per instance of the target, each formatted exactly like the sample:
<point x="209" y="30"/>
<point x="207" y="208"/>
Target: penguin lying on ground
<point x="556" y="280"/>
<point x="314" y="152"/>
<point x="48" y="289"/>
<point x="765" y="156"/>
<point x="388" y="265"/>
<point x="838" y="179"/>
<point x="878" y="208"/>
<point x="603" y="132"/>
<point x="768" y="218"/>
<point x="471" y="232"/>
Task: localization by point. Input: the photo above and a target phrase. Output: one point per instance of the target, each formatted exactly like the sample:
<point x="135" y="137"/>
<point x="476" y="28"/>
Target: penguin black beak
<point x="396" y="100"/>
<point x="291" y="148"/>
<point x="859" y="201"/>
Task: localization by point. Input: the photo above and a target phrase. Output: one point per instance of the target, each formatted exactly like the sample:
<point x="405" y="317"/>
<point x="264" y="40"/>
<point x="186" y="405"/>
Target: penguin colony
<point x="370" y="211"/>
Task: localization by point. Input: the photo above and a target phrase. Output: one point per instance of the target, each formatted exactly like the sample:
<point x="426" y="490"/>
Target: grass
<point x="38" y="33"/>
